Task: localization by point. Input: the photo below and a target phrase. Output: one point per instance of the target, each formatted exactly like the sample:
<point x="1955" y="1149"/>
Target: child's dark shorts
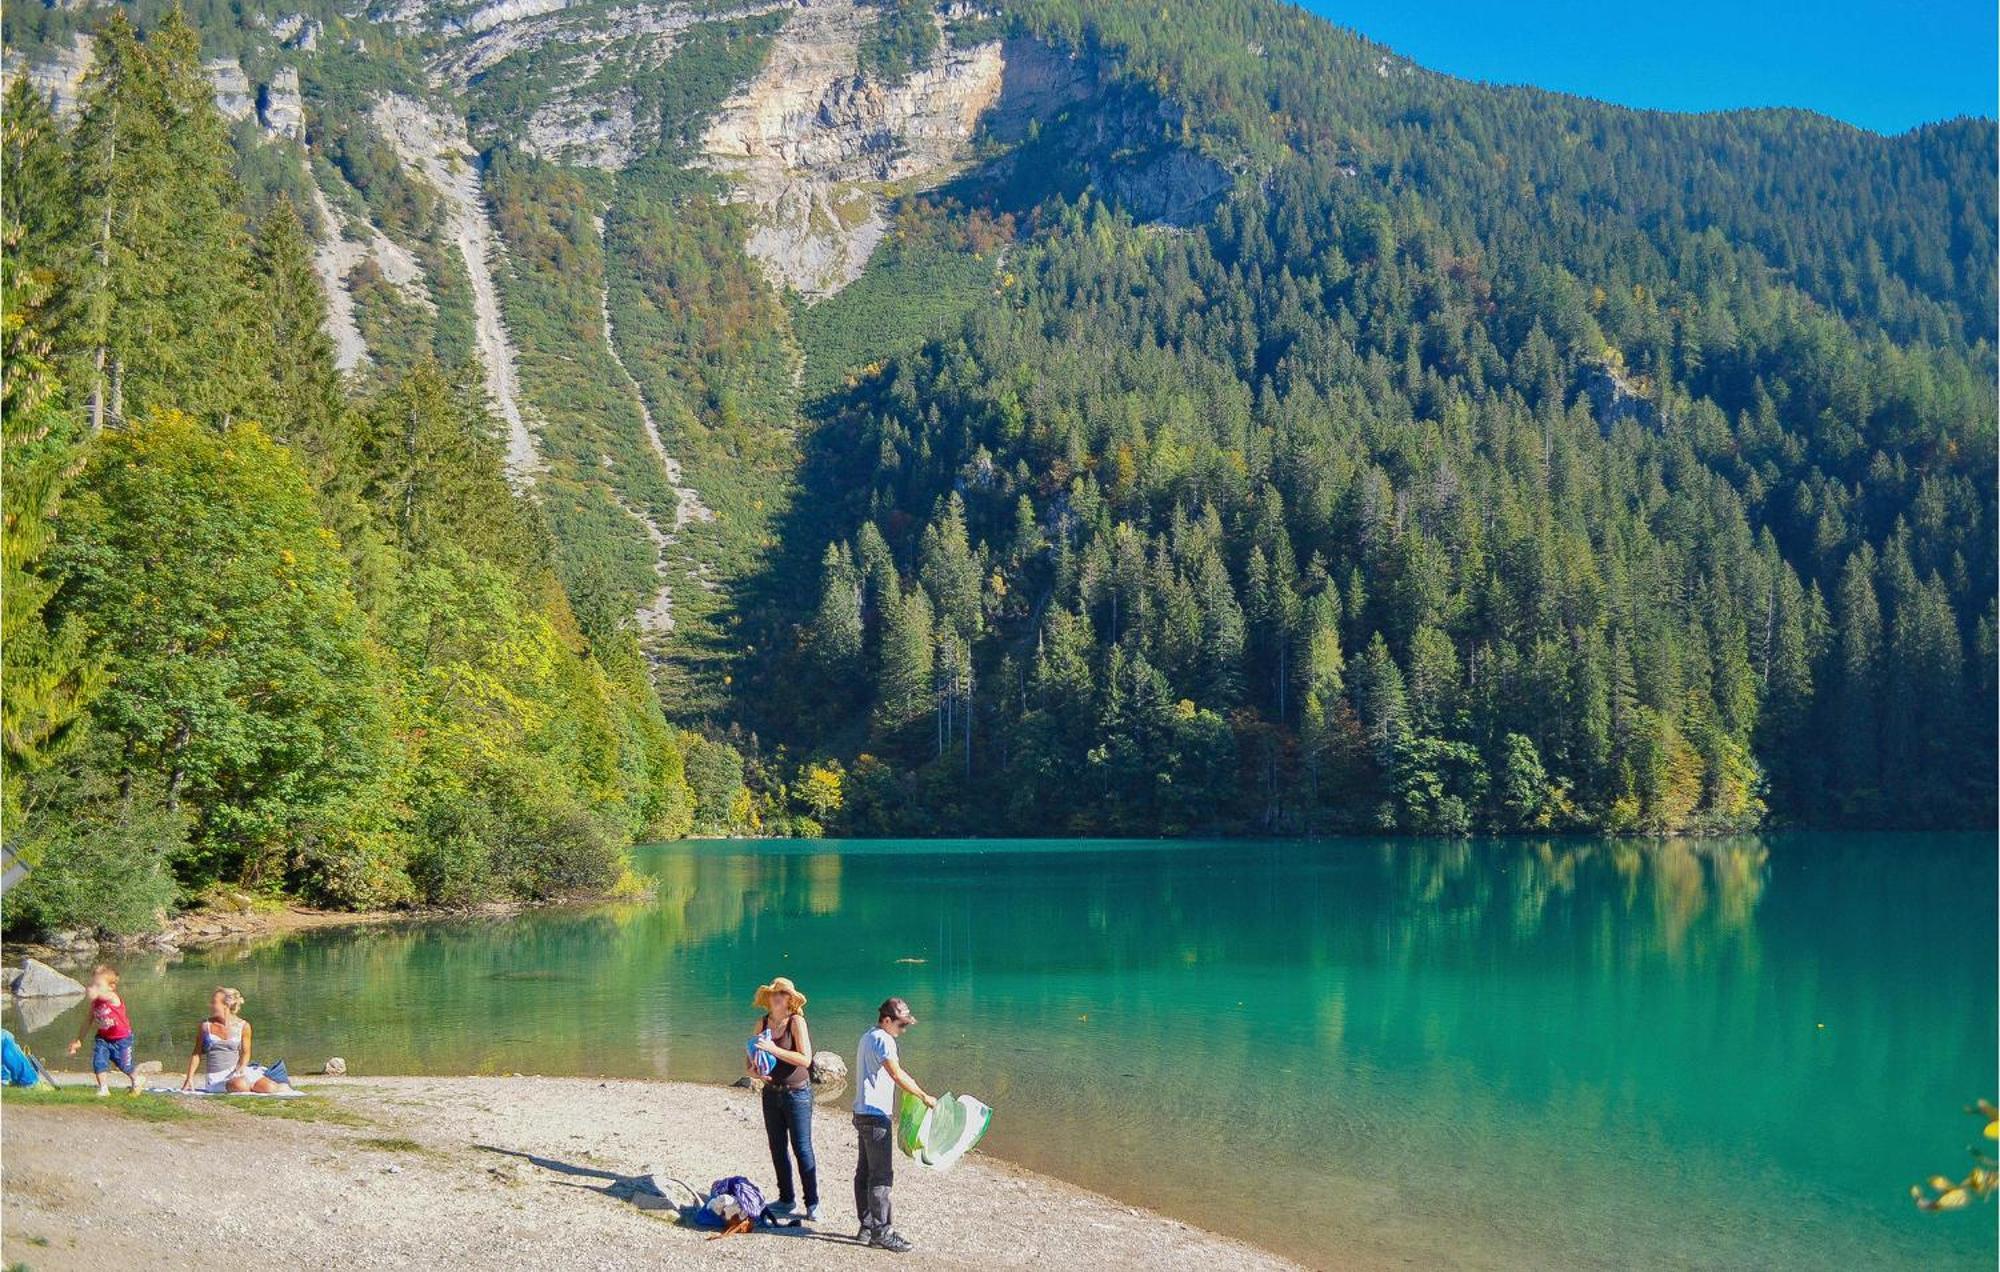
<point x="105" y="1055"/>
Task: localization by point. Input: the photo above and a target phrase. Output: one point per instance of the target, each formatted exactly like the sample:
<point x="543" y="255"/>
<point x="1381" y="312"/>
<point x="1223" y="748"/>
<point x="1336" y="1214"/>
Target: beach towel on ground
<point x="234" y="1095"/>
<point x="275" y="1071"/>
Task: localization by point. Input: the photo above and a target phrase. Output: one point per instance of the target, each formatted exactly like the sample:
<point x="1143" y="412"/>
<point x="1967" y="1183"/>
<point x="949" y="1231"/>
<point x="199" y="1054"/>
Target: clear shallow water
<point x="1507" y="1054"/>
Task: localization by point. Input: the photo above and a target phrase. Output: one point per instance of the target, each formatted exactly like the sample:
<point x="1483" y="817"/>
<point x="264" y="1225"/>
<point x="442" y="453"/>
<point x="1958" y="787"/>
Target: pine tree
<point x="307" y="409"/>
<point x="432" y="473"/>
<point x="1924" y="733"/>
<point x="836" y="625"/>
<point x="950" y="571"/>
<point x="306" y="406"/>
<point x="160" y="313"/>
<point x="1856" y="722"/>
<point x="1381" y="701"/>
<point x="35" y="196"/>
<point x="903" y="676"/>
<point x="1433" y="681"/>
<point x="1321" y="688"/>
<point x="1219" y="682"/>
<point x="1783" y="724"/>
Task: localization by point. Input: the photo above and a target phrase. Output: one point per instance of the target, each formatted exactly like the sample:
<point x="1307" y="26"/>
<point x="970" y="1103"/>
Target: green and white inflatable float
<point x="938" y="1137"/>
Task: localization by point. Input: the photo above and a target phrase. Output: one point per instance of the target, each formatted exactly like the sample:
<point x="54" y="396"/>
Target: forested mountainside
<point x="447" y="441"/>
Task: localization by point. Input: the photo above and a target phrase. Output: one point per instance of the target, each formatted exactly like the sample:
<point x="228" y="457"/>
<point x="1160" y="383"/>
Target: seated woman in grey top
<point x="222" y="1051"/>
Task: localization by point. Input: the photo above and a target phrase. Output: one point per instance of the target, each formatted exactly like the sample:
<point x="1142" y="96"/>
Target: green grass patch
<point x="920" y="285"/>
<point x="392" y="1144"/>
<point x="310" y="1108"/>
<point x="144" y="1108"/>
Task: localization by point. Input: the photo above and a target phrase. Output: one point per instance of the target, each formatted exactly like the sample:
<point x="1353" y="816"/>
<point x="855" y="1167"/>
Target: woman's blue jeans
<point x="789" y="1112"/>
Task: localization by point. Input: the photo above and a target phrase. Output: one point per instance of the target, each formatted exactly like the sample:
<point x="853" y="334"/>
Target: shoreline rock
<point x="828" y="1068"/>
<point x="37" y="979"/>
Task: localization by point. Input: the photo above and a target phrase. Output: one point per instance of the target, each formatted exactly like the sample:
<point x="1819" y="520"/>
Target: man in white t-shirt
<point x="878" y="1073"/>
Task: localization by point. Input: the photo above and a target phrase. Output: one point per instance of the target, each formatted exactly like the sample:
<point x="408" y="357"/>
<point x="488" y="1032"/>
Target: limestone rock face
<point x="588" y="113"/>
<point x="502" y="12"/>
<point x="811" y="146"/>
<point x="232" y="89"/>
<point x="297" y="31"/>
<point x="281" y="109"/>
<point x="810" y="142"/>
<point x="61" y="79"/>
<point x="1616" y="396"/>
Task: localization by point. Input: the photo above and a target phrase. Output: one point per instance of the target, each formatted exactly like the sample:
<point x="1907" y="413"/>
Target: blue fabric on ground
<point x="16" y="1069"/>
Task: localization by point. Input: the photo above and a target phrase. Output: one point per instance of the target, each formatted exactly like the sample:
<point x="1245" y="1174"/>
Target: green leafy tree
<point x="1524" y="785"/>
<point x="715" y="771"/>
<point x="48" y="678"/>
<point x="241" y="675"/>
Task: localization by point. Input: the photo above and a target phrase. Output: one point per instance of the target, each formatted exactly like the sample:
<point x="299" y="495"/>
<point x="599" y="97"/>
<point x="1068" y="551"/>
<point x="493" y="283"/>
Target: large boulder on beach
<point x="828" y="1068"/>
<point x="37" y="979"/>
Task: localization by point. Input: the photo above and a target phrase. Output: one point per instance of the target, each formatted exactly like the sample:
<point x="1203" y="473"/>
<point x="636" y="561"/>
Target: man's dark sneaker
<point x="892" y="1242"/>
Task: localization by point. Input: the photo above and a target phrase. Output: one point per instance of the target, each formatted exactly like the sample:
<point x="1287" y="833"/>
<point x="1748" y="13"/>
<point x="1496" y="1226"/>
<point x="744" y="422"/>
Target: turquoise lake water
<point x="1490" y="1054"/>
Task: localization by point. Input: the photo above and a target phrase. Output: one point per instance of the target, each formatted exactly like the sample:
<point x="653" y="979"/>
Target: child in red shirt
<point x="113" y="1045"/>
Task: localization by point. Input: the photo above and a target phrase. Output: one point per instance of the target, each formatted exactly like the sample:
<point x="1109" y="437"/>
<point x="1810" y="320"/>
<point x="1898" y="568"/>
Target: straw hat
<point x="782" y="985"/>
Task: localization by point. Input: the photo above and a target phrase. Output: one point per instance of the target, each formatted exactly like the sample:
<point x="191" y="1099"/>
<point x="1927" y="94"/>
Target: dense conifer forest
<point x="1497" y="460"/>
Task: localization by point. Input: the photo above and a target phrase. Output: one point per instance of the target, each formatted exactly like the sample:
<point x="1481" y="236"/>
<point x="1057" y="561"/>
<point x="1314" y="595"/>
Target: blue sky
<point x="1876" y="63"/>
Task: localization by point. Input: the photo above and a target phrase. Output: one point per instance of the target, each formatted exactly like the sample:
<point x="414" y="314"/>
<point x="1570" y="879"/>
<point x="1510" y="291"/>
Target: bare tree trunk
<point x="125" y="778"/>
<point x="178" y="773"/>
<point x="104" y="270"/>
<point x="97" y="393"/>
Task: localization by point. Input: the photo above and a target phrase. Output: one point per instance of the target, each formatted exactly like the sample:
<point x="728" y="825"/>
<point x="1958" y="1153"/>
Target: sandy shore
<point x="512" y="1172"/>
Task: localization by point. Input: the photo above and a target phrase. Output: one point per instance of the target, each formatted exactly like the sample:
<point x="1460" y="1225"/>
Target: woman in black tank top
<point x="787" y="1094"/>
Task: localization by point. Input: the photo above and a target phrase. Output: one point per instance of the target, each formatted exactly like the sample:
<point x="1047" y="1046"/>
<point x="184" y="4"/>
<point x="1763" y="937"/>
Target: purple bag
<point x="746" y="1195"/>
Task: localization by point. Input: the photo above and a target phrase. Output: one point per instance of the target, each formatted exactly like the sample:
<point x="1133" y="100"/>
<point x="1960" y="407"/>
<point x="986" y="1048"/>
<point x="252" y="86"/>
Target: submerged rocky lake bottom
<point x="1512" y="1053"/>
